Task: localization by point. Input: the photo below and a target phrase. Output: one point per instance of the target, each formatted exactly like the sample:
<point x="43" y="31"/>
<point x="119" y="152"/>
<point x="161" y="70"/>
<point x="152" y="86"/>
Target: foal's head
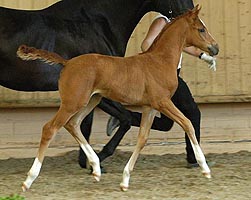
<point x="198" y="34"/>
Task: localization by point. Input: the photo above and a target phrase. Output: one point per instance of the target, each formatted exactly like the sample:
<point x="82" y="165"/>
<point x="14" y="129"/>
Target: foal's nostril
<point x="213" y="49"/>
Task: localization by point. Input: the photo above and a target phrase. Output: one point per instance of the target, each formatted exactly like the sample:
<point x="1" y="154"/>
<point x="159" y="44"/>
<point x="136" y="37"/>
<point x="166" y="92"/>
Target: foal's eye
<point x="201" y="30"/>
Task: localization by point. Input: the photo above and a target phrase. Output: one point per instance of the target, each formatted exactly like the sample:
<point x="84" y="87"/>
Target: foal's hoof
<point x="123" y="187"/>
<point x="96" y="177"/>
<point x="207" y="175"/>
<point x="24" y="187"/>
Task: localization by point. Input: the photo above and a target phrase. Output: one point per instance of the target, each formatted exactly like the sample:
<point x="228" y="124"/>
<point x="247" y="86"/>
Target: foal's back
<point x="118" y="78"/>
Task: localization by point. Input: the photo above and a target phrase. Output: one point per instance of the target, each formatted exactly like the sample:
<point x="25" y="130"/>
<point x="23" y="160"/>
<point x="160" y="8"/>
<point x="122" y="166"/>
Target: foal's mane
<point x="186" y="14"/>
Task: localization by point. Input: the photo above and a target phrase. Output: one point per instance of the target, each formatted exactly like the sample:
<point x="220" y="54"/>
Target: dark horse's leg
<point x="114" y="109"/>
<point x="85" y="127"/>
<point x="123" y="115"/>
<point x="162" y="123"/>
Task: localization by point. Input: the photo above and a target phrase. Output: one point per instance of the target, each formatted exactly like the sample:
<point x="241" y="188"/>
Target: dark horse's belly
<point x="28" y="76"/>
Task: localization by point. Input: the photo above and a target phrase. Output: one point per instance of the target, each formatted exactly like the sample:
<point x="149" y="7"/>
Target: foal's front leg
<point x="148" y="115"/>
<point x="167" y="107"/>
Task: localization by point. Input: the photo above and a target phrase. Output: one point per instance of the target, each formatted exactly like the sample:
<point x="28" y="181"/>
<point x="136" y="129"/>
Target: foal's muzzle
<point x="213" y="49"/>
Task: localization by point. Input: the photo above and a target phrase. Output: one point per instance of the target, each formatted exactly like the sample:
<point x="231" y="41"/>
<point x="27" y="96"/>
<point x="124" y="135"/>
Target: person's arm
<point x="192" y="51"/>
<point x="154" y="30"/>
<point x="203" y="56"/>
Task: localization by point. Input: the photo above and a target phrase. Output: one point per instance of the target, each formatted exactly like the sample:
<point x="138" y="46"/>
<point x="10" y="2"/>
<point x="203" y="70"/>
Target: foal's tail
<point x="31" y="53"/>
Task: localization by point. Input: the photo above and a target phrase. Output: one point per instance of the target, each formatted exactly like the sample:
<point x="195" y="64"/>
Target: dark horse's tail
<point x="31" y="53"/>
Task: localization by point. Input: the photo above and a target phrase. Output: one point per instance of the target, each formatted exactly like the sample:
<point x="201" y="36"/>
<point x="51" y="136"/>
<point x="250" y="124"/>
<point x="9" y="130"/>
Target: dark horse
<point x="71" y="28"/>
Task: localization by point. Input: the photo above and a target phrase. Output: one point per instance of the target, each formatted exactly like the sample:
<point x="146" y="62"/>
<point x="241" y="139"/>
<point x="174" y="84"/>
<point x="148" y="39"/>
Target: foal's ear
<point x="195" y="12"/>
<point x="197" y="8"/>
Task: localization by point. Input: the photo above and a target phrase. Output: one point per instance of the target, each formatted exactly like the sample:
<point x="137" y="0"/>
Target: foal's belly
<point x="127" y="98"/>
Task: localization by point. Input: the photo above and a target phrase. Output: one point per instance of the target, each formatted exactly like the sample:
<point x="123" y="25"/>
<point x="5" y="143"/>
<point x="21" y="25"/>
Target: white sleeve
<point x="163" y="16"/>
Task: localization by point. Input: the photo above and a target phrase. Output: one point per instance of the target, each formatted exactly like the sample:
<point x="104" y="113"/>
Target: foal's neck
<point x="170" y="43"/>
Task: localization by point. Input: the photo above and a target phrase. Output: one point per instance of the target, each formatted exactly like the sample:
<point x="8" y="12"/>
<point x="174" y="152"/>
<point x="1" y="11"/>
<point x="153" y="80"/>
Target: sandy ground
<point x="160" y="173"/>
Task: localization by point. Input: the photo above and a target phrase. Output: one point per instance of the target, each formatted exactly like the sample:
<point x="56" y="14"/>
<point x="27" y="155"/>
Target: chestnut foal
<point x="148" y="80"/>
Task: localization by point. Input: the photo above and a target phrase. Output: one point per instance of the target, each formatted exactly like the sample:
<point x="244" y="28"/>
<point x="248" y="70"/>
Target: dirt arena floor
<point x="160" y="173"/>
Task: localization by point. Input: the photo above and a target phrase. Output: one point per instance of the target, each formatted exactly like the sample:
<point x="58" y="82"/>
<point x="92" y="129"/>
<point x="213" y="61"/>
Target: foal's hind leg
<point x="49" y="130"/>
<point x="148" y="115"/>
<point x="73" y="126"/>
<point x="167" y="107"/>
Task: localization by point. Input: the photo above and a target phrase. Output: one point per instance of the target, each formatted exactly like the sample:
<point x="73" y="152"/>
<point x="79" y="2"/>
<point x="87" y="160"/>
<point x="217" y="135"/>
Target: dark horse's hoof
<point x="103" y="171"/>
<point x="82" y="161"/>
<point x="83" y="165"/>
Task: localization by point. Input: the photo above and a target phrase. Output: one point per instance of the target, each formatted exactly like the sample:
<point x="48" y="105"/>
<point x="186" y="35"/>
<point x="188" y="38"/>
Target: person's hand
<point x="210" y="60"/>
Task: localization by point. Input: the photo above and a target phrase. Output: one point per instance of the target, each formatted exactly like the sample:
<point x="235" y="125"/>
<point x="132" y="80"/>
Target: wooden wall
<point x="27" y="4"/>
<point x="230" y="24"/>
